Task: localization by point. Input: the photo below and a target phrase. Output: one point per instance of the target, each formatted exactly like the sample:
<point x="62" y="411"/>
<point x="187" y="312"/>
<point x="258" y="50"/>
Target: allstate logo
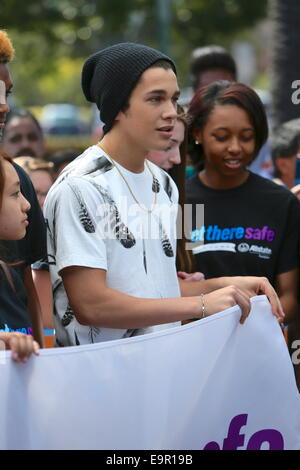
<point x="243" y="247"/>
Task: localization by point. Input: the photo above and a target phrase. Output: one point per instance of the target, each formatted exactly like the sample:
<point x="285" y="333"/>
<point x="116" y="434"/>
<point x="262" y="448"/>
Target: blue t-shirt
<point x="13" y="302"/>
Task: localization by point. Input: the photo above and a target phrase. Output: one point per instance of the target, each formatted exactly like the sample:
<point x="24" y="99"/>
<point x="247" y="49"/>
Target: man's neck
<point x="128" y="156"/>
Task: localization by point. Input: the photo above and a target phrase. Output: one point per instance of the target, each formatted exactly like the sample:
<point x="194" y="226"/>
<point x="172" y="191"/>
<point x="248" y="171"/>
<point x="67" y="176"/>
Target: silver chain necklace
<point x="154" y="185"/>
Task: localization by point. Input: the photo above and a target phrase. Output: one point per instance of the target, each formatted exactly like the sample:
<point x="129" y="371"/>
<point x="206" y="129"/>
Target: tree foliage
<point x="44" y="31"/>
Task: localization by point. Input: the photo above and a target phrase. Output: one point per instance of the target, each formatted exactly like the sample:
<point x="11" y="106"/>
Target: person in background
<point x="168" y="158"/>
<point x="14" y="319"/>
<point x="61" y="159"/>
<point x="213" y="63"/>
<point x="32" y="247"/>
<point x="294" y="126"/>
<point x="252" y="225"/>
<point x="209" y="64"/>
<point x="173" y="160"/>
<point x="284" y="145"/>
<point x="285" y="150"/>
<point x="40" y="173"/>
<point x="23" y="135"/>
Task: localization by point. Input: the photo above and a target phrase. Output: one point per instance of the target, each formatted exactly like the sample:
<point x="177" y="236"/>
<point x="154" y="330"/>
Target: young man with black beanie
<point x="111" y="214"/>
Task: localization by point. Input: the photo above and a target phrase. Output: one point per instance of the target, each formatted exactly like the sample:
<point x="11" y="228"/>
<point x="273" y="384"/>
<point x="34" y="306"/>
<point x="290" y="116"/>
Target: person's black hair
<point x="210" y="57"/>
<point x="62" y="156"/>
<point x="23" y="113"/>
<point x="284" y="143"/>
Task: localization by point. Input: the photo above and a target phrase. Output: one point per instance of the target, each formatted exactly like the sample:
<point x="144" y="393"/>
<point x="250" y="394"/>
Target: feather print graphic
<point x="94" y="331"/>
<point x="167" y="186"/>
<point x="55" y="287"/>
<point x="76" y="339"/>
<point x="51" y="260"/>
<point x="47" y="225"/>
<point x="144" y="256"/>
<point x="155" y="185"/>
<point x="165" y="242"/>
<point x="54" y="234"/>
<point x="84" y="216"/>
<point x="122" y="233"/>
<point x="68" y="316"/>
<point x="99" y="166"/>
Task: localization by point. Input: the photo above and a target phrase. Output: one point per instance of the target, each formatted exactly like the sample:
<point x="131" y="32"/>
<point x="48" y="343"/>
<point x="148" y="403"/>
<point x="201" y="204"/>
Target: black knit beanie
<point x="109" y="76"/>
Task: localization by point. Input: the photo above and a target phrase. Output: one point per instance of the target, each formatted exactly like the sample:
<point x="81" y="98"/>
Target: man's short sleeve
<point x="76" y="236"/>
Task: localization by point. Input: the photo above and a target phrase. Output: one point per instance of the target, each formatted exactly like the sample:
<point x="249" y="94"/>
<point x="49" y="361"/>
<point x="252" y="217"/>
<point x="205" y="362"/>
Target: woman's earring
<point x="196" y="142"/>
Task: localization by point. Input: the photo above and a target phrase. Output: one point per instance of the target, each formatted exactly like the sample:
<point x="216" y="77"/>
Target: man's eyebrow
<point x="162" y="92"/>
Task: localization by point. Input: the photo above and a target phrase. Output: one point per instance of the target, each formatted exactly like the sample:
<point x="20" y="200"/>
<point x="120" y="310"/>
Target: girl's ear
<point x="197" y="136"/>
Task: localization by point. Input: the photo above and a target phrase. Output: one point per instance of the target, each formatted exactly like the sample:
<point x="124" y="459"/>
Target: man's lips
<point x="167" y="131"/>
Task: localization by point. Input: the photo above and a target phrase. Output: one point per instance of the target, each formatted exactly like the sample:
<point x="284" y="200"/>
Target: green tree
<point x="45" y="31"/>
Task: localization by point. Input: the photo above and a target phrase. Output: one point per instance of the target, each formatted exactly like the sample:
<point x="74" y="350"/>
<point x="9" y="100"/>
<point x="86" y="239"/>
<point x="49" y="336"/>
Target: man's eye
<point x="15" y="139"/>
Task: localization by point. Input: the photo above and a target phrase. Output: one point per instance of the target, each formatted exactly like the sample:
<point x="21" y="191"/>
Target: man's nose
<point x="170" y="112"/>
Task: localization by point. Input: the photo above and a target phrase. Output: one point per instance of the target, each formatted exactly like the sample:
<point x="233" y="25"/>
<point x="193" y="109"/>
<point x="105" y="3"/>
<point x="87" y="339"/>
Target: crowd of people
<point x="116" y="215"/>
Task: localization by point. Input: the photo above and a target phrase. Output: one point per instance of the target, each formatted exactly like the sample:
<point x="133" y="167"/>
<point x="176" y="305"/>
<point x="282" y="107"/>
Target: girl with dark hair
<point x="173" y="160"/>
<point x="251" y="225"/>
<point x="13" y="223"/>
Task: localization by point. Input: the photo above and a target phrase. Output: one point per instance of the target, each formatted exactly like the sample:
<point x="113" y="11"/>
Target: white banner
<point x="211" y="384"/>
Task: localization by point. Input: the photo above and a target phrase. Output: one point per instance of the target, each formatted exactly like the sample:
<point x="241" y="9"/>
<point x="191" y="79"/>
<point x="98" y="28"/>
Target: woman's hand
<point x="21" y="346"/>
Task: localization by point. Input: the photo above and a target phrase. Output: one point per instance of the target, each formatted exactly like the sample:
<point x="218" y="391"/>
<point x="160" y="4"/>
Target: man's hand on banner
<point x="252" y="286"/>
<point x="224" y="298"/>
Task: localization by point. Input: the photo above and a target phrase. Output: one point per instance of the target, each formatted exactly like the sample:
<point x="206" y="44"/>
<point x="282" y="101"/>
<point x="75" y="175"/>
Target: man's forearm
<point x="117" y="310"/>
